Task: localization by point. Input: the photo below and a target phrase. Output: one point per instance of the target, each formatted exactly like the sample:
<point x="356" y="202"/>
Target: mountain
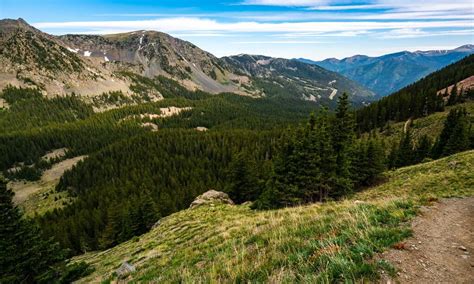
<point x="389" y="73"/>
<point x="154" y="53"/>
<point x="283" y="77"/>
<point x="421" y="98"/>
<point x="29" y="57"/>
<point x="95" y="64"/>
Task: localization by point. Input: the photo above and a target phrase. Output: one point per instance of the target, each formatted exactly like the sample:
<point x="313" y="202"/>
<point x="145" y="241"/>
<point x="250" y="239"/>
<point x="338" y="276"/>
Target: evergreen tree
<point x="455" y="134"/>
<point x="327" y="179"/>
<point x="405" y="152"/>
<point x="375" y="160"/>
<point x="243" y="184"/>
<point x="24" y="256"/>
<point x="459" y="139"/>
<point x="342" y="140"/>
<point x="423" y="148"/>
<point x="453" y="96"/>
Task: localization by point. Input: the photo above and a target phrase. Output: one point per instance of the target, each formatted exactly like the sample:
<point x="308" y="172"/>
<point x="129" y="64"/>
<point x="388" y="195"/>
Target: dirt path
<point x="441" y="248"/>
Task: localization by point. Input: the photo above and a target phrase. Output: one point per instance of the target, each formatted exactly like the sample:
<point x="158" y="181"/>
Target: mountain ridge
<point x="390" y="72"/>
<point x="96" y="64"/>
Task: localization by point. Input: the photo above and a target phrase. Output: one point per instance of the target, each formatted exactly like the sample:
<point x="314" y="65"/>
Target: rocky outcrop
<point x="211" y="197"/>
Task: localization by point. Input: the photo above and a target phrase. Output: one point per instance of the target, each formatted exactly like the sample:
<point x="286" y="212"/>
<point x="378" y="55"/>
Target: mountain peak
<point x="466" y="47"/>
<point x="9" y="25"/>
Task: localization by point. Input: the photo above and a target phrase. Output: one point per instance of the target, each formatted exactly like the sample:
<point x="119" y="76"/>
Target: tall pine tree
<point x="24" y="256"/>
<point x="342" y="140"/>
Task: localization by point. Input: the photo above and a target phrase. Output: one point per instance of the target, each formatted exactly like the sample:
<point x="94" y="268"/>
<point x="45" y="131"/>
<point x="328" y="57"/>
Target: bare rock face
<point x="211" y="197"/>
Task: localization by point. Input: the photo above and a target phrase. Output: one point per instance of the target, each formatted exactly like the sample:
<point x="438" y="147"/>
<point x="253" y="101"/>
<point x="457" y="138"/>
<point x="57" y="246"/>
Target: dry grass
<point x="314" y="243"/>
<point x="37" y="197"/>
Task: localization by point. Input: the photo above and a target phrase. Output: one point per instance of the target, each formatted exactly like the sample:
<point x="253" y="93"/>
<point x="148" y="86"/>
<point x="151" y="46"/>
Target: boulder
<point x="211" y="197"/>
<point x="124" y="270"/>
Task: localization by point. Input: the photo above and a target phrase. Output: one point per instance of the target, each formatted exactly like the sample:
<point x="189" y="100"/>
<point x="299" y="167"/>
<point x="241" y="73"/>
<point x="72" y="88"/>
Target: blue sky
<point x="314" y="29"/>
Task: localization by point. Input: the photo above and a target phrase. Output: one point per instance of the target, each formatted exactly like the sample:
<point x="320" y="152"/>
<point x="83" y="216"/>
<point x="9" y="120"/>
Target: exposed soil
<point x="441" y="248"/>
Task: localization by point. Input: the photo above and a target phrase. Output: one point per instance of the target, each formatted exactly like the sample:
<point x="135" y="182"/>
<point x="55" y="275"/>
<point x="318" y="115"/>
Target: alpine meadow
<point x="130" y="154"/>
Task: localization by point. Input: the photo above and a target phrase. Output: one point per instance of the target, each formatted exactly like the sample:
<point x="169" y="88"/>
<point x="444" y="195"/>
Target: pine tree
<point x="455" y="132"/>
<point x="423" y="148"/>
<point x="453" y="96"/>
<point x="375" y="160"/>
<point x="326" y="179"/>
<point x="342" y="140"/>
<point x="243" y="182"/>
<point x="405" y="150"/>
<point x="24" y="256"/>
<point x="459" y="139"/>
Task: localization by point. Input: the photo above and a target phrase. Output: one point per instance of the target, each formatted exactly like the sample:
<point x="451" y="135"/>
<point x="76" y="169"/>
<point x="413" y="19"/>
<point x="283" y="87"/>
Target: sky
<point x="313" y="29"/>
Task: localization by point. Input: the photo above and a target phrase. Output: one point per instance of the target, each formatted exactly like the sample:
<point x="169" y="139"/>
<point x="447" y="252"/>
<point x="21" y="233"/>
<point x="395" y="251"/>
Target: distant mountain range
<point x="94" y="64"/>
<point x="389" y="73"/>
<point x="282" y="77"/>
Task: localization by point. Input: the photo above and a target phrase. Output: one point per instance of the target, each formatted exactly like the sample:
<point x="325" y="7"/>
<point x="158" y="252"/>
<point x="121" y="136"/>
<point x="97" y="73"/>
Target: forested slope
<point x="418" y="99"/>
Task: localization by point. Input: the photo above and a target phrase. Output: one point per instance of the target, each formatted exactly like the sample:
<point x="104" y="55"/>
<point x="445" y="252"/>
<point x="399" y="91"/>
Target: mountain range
<point x="94" y="64"/>
<point x="391" y="72"/>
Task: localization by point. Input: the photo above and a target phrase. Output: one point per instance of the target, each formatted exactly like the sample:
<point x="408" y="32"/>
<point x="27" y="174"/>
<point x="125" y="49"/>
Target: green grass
<point x="431" y="125"/>
<point x="314" y="243"/>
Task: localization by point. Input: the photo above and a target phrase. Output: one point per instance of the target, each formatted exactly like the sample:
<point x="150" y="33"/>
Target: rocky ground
<point x="441" y="248"/>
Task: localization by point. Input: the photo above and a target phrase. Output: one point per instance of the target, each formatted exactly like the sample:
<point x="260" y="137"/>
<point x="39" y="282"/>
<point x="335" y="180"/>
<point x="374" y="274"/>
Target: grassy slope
<point x="333" y="241"/>
<point x="430" y="125"/>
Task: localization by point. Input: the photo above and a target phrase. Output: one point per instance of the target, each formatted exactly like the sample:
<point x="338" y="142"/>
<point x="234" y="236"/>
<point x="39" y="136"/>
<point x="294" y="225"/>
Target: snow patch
<point x="332" y="82"/>
<point x="264" y="61"/>
<point x="72" y="49"/>
<point x="87" y="53"/>
<point x="333" y="93"/>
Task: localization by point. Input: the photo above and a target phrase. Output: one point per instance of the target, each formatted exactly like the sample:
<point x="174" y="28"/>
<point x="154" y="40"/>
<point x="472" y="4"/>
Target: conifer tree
<point x="453" y="96"/>
<point x="423" y="148"/>
<point x="455" y="132"/>
<point x="405" y="150"/>
<point x="342" y="140"/>
<point x="243" y="182"/>
<point x="327" y="179"/>
<point x="24" y="256"/>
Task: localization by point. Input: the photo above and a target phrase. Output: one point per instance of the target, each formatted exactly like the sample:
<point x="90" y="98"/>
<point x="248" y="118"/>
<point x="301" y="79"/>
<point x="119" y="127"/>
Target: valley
<point x="134" y="156"/>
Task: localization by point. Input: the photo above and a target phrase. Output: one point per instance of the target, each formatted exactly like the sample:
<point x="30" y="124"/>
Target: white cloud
<point x="171" y="25"/>
<point x="280" y="42"/>
<point x="288" y="3"/>
<point x="415" y="33"/>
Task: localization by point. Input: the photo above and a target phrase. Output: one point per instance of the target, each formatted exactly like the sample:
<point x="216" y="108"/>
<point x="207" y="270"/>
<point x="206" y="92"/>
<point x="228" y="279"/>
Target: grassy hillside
<point x="319" y="242"/>
<point x="430" y="125"/>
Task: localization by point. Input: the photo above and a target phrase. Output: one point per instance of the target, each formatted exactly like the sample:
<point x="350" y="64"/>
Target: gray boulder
<point x="124" y="270"/>
<point x="211" y="197"/>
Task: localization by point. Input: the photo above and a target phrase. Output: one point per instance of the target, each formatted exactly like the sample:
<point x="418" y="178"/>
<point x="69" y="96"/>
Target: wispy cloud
<point x="280" y="42"/>
<point x="287" y="3"/>
<point x="415" y="33"/>
<point x="210" y="25"/>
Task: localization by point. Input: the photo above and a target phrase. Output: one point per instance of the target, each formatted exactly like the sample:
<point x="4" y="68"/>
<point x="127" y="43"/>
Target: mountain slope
<point x="332" y="242"/>
<point x="420" y="98"/>
<point x="155" y="53"/>
<point x="30" y="57"/>
<point x="94" y="64"/>
<point x="283" y="77"/>
<point x="391" y="72"/>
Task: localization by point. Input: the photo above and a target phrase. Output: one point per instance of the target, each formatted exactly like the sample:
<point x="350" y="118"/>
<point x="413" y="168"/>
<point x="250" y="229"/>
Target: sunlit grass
<point x="314" y="243"/>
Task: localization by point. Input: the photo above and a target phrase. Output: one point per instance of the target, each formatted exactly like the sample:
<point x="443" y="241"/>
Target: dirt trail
<point x="441" y="248"/>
